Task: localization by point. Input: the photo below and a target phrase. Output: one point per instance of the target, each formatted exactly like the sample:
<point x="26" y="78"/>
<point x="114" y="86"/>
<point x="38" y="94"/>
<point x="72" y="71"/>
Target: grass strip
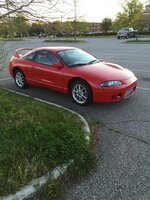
<point x="138" y="41"/>
<point x="36" y="137"/>
<point x="64" y="41"/>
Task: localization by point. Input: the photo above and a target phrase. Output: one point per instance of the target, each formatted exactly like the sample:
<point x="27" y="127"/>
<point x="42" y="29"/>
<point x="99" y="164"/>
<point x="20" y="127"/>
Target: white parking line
<point x="141" y="88"/>
<point x="3" y="79"/>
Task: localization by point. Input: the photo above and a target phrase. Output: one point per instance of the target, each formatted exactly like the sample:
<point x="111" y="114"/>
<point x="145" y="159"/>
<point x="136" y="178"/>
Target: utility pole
<point x="75" y="19"/>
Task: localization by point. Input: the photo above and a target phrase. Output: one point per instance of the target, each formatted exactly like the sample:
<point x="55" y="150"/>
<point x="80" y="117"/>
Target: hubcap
<point x="20" y="79"/>
<point x="79" y="93"/>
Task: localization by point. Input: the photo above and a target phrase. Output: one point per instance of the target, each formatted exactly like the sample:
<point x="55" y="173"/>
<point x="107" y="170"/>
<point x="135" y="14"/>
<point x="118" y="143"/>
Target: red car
<point x="73" y="71"/>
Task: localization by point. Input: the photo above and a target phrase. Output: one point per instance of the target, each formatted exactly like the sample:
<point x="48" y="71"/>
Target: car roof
<point x="54" y="49"/>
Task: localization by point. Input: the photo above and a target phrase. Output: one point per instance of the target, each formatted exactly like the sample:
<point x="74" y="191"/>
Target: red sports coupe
<point x="73" y="71"/>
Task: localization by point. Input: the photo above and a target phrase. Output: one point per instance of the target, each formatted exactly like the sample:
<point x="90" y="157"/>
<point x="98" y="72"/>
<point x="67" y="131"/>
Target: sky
<point x="96" y="10"/>
<point x="88" y="10"/>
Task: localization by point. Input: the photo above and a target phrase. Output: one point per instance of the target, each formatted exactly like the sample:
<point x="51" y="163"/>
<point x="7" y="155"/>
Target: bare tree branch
<point x="11" y="7"/>
<point x="34" y="9"/>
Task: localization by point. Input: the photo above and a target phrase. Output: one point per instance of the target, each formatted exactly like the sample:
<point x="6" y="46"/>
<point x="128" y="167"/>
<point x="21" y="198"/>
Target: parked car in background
<point x="127" y="32"/>
<point x="73" y="71"/>
<point x="42" y="35"/>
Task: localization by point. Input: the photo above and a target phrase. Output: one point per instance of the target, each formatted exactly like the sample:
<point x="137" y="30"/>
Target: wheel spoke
<point x="79" y="93"/>
<point x="20" y="81"/>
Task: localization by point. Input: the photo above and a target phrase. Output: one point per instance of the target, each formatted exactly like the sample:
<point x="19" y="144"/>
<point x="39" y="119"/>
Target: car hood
<point x="105" y="71"/>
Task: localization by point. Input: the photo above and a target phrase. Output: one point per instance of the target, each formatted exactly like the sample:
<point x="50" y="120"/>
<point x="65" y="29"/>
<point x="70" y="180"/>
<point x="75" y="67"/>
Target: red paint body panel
<point x="58" y="78"/>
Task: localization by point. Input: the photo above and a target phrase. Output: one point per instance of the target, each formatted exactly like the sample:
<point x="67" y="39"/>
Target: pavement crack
<point x="128" y="136"/>
<point x="130" y="121"/>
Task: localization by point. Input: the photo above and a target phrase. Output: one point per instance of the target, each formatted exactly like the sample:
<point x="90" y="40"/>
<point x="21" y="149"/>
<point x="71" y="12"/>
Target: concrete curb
<point x="29" y="190"/>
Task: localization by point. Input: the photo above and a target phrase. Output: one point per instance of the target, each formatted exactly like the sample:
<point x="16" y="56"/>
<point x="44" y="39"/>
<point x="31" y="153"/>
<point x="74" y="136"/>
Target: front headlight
<point x="110" y="83"/>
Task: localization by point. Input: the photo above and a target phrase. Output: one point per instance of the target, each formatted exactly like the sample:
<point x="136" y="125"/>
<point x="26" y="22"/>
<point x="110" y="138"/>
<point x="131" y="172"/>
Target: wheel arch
<point x="75" y="79"/>
<point x="15" y="69"/>
<point x="24" y="83"/>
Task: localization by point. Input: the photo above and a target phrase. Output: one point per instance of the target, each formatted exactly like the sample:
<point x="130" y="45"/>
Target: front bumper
<point x="117" y="93"/>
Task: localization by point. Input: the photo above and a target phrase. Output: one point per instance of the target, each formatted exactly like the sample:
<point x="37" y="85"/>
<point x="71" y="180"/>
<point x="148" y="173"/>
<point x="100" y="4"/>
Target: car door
<point x="48" y="70"/>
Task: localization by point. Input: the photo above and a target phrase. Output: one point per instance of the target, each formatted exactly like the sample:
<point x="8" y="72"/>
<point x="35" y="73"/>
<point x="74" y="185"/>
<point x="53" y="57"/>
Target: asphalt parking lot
<point x="123" y="150"/>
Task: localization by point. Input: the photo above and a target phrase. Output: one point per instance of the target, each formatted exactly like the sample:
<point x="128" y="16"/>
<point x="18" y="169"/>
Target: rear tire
<point x="81" y="93"/>
<point x="20" y="79"/>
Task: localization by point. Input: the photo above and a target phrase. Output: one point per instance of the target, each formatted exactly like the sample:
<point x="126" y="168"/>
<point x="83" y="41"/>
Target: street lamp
<point x="75" y="19"/>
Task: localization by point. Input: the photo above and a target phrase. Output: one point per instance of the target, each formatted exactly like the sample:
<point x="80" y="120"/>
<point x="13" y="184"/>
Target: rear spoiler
<point x="21" y="51"/>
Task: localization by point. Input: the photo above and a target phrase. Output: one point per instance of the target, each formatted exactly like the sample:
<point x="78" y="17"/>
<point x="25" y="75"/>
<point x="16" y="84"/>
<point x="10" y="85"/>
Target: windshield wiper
<point x="77" y="64"/>
<point x="81" y="64"/>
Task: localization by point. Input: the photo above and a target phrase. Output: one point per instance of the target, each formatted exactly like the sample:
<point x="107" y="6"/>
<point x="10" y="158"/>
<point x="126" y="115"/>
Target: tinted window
<point x="30" y="57"/>
<point x="46" y="58"/>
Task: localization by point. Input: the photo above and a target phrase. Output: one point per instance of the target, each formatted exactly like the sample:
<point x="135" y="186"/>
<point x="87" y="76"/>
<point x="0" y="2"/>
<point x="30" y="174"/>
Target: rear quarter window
<point x="30" y="56"/>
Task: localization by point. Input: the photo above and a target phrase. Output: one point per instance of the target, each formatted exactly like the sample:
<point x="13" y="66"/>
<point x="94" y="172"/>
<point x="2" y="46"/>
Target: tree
<point x="131" y="15"/>
<point x="20" y="25"/>
<point x="82" y="27"/>
<point x="15" y="9"/>
<point x="67" y="27"/>
<point x="9" y="8"/>
<point x="4" y="27"/>
<point x="146" y="23"/>
<point x="106" y="24"/>
<point x="56" y="28"/>
<point x="37" y="27"/>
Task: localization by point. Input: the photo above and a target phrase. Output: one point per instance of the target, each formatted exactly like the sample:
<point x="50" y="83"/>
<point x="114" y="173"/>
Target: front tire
<point x="20" y="79"/>
<point x="81" y="93"/>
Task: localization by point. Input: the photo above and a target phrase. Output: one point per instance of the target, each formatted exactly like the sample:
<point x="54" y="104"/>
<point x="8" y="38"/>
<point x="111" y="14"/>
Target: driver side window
<point x="46" y="58"/>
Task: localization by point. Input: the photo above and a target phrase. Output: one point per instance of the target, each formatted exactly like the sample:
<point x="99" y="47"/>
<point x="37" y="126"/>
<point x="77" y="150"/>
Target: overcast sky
<point x="89" y="10"/>
<point x="96" y="10"/>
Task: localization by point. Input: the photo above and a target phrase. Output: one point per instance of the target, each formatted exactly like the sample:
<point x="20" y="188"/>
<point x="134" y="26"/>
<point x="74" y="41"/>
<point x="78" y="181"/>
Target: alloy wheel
<point x="81" y="93"/>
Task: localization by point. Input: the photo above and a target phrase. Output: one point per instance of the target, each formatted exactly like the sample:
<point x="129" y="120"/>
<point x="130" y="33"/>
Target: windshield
<point x="125" y="29"/>
<point x="76" y="57"/>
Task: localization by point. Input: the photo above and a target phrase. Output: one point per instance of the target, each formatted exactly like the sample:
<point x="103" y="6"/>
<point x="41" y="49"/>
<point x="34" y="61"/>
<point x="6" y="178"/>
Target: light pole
<point x="75" y="19"/>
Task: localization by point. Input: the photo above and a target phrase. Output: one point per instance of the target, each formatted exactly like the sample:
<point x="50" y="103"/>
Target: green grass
<point x="11" y="39"/>
<point x="36" y="137"/>
<point x="138" y="41"/>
